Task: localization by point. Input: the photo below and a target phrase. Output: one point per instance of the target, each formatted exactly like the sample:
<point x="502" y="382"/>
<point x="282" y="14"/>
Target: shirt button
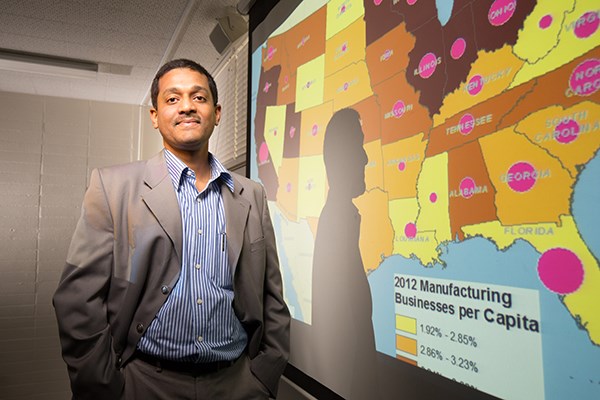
<point x="197" y="266"/>
<point x="200" y="338"/>
<point x="199" y="301"/>
<point x="164" y="289"/>
<point x="200" y="231"/>
<point x="139" y="328"/>
<point x="188" y="172"/>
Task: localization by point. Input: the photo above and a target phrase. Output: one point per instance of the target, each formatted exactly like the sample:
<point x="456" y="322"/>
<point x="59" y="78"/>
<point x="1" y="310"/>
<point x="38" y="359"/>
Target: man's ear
<point x="217" y="114"/>
<point x="154" y="117"/>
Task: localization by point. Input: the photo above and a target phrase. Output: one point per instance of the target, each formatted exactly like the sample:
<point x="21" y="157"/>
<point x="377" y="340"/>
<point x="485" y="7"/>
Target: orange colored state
<point x="286" y="93"/>
<point x="312" y="129"/>
<point x="345" y="48"/>
<point x="274" y="53"/>
<point x="369" y="112"/>
<point x="402" y="163"/>
<point x="471" y="193"/>
<point x="376" y="232"/>
<point x="374" y="167"/>
<point x="287" y="192"/>
<point x="348" y="86"/>
<point x="306" y="41"/>
<point x="388" y="55"/>
<point x="514" y="163"/>
<point x="571" y="134"/>
<point x="402" y="115"/>
<point x="456" y="131"/>
<point x="550" y="89"/>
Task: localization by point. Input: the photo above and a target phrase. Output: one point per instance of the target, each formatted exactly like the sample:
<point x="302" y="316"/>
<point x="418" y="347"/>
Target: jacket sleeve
<point x="275" y="345"/>
<point x="80" y="301"/>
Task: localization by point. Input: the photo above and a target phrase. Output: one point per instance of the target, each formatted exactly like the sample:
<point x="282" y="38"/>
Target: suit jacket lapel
<point x="236" y="215"/>
<point x="162" y="201"/>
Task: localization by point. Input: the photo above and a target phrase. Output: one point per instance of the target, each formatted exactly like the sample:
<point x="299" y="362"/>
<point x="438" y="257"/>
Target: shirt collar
<point x="177" y="168"/>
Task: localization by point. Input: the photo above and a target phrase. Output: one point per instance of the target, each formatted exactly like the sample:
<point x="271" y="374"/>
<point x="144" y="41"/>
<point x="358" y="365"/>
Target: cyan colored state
<point x="444" y="8"/>
<point x="570" y="360"/>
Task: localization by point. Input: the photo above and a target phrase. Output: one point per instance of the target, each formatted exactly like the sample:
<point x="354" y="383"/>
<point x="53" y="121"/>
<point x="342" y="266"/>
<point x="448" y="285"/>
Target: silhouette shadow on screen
<point x="341" y="299"/>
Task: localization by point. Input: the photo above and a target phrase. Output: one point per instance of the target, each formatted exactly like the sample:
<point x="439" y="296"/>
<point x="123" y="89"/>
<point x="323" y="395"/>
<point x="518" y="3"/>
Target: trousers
<point x="144" y="381"/>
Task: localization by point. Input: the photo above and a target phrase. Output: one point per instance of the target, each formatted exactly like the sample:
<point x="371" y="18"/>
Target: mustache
<point x="187" y="118"/>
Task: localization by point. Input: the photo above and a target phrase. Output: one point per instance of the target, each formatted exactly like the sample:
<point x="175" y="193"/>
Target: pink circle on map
<point x="467" y="187"/>
<point x="427" y="65"/>
<point x="560" y="270"/>
<point x="458" y="48"/>
<point x="475" y="85"/>
<point x="584" y="78"/>
<point x="411" y="2"/>
<point x="270" y="53"/>
<point x="566" y="131"/>
<point x="433" y="197"/>
<point x="466" y="124"/>
<point x="274" y="132"/>
<point x="263" y="153"/>
<point x="398" y="109"/>
<point x="288" y="187"/>
<point x="587" y="25"/>
<point x="501" y="11"/>
<point x="292" y="131"/>
<point x="377" y="2"/>
<point x="315" y="129"/>
<point x="521" y="176"/>
<point x="345" y="86"/>
<point x="410" y="230"/>
<point x="401" y="166"/>
<point x="546" y="21"/>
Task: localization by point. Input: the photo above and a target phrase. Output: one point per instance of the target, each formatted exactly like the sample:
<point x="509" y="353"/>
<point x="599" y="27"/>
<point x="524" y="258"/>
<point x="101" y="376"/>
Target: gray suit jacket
<point x="125" y="258"/>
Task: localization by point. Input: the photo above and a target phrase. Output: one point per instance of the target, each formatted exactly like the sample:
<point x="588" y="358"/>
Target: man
<point x="172" y="287"/>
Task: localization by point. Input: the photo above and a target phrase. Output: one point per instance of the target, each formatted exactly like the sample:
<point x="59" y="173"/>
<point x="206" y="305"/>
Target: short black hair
<point x="183" y="63"/>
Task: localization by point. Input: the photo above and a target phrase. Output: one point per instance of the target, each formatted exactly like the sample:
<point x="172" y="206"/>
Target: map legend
<point x="471" y="332"/>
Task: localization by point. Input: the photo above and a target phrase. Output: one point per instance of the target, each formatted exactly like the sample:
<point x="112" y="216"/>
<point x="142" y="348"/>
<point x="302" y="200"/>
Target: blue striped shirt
<point x="197" y="322"/>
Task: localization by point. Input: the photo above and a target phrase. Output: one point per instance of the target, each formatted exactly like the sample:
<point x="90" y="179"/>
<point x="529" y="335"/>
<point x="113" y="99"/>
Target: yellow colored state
<point x="569" y="45"/>
<point x="497" y="69"/>
<point x="348" y="86"/>
<point x="549" y="196"/>
<point x="432" y="195"/>
<point x="341" y="13"/>
<point x="275" y="133"/>
<point x="582" y="304"/>
<point x="287" y="192"/>
<point x="402" y="162"/>
<point x="534" y="42"/>
<point x="423" y="245"/>
<point x="312" y="187"/>
<point x="376" y="233"/>
<point x="374" y="168"/>
<point x="572" y="134"/>
<point x="310" y="83"/>
<point x="345" y="48"/>
<point x="313" y="125"/>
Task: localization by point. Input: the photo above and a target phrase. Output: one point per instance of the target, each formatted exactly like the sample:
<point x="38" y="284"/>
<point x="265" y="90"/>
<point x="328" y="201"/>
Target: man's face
<point x="185" y="113"/>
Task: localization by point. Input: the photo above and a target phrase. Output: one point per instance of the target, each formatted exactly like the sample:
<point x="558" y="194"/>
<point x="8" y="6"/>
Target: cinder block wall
<point x="48" y="147"/>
